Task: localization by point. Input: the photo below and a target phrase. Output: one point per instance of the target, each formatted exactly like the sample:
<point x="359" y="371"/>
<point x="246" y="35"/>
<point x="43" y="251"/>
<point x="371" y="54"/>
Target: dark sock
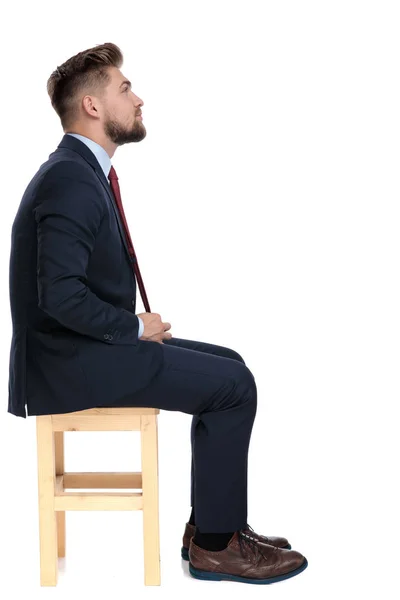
<point x="212" y="541"/>
<point x="191" y="520"/>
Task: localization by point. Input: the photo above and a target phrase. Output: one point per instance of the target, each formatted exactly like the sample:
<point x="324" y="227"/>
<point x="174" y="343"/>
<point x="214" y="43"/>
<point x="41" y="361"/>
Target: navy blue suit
<point x="75" y="338"/>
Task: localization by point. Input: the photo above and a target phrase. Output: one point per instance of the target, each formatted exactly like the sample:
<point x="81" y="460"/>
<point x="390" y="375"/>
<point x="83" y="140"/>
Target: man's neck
<point x="102" y="140"/>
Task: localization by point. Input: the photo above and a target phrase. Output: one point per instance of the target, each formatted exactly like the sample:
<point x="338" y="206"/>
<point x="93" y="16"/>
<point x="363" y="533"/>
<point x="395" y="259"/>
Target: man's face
<point x="121" y="111"/>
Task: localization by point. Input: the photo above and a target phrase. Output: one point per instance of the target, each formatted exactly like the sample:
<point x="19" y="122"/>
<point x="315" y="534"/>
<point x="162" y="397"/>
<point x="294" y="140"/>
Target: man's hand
<point x="154" y="328"/>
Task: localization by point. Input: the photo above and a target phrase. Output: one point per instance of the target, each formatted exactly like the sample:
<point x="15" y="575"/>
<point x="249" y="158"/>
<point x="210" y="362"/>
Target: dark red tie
<point x="117" y="194"/>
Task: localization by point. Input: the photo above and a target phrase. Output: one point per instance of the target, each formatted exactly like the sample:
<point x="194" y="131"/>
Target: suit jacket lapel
<point x="72" y="143"/>
<point x="100" y="174"/>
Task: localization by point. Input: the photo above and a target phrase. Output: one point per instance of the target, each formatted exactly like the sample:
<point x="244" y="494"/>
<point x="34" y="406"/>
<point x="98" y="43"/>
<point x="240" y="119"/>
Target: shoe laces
<point x="248" y="542"/>
<point x="251" y="529"/>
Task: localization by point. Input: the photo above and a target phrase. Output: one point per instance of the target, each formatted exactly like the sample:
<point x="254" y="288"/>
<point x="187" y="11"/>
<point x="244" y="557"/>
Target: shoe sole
<point x="185" y="551"/>
<point x="211" y="576"/>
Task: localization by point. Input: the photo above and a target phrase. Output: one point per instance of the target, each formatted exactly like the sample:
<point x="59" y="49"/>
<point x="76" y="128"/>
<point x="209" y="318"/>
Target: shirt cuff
<point x="141" y="327"/>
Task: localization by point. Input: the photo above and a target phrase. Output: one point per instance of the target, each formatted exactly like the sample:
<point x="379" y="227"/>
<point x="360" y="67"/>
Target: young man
<point x="77" y="342"/>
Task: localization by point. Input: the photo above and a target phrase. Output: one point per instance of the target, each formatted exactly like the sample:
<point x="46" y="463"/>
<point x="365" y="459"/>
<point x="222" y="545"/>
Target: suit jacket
<point x="75" y="338"/>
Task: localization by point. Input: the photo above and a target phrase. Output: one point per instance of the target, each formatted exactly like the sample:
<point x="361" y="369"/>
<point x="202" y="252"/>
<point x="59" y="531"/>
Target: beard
<point x="120" y="134"/>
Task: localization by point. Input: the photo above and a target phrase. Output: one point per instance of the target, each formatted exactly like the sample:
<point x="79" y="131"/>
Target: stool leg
<point x="46" y="489"/>
<point x="151" y="533"/>
<point x="60" y="514"/>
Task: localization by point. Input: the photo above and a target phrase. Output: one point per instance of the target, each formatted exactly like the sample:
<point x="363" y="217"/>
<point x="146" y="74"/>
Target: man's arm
<point x="68" y="217"/>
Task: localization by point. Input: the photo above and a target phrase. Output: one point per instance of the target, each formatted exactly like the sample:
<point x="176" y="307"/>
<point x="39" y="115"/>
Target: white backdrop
<point x="264" y="209"/>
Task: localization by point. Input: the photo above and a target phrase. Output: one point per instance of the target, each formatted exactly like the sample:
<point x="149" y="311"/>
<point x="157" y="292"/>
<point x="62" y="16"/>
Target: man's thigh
<point x="204" y="347"/>
<point x="192" y="381"/>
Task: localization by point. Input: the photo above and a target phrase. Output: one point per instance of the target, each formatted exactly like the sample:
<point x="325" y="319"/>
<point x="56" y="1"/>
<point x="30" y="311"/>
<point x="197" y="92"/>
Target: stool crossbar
<point x="54" y="501"/>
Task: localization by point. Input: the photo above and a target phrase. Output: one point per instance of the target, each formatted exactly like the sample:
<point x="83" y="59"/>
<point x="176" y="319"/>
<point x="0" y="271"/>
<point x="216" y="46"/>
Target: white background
<point x="263" y="205"/>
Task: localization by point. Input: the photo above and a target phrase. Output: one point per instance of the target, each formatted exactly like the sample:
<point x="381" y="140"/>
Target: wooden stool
<point x="52" y="481"/>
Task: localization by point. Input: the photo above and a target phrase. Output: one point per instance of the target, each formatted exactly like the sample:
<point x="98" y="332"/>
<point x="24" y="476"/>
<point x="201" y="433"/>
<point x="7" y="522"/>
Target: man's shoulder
<point x="64" y="167"/>
<point x="59" y="175"/>
<point x="64" y="183"/>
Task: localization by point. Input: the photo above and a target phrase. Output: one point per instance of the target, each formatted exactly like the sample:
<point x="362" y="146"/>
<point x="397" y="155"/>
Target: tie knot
<point x="112" y="174"/>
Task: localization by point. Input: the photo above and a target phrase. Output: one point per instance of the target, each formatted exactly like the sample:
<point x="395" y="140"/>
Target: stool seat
<point x="54" y="501"/>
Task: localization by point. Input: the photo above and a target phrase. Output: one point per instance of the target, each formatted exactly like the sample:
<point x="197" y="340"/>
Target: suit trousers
<point x="213" y="384"/>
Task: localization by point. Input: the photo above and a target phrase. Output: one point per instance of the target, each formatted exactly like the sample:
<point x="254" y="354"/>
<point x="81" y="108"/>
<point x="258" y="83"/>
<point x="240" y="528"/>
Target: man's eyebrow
<point x="126" y="81"/>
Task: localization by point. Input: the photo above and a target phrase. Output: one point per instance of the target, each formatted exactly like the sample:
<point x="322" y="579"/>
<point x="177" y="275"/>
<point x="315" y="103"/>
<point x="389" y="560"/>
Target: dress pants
<point x="213" y="384"/>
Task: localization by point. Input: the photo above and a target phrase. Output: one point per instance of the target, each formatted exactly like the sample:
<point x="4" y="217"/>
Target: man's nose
<point x="138" y="101"/>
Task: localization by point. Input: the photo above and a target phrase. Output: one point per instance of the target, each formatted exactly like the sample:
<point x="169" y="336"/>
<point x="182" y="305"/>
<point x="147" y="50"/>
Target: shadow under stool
<point x="54" y="501"/>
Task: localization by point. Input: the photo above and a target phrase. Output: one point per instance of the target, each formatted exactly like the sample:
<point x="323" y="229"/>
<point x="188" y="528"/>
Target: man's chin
<point x="132" y="138"/>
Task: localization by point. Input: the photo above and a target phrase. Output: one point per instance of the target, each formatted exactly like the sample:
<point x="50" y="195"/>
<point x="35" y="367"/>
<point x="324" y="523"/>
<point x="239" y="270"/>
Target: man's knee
<point x="235" y="355"/>
<point x="245" y="380"/>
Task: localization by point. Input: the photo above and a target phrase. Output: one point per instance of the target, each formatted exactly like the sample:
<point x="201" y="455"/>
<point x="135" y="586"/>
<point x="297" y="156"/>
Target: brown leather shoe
<point x="190" y="530"/>
<point x="246" y="561"/>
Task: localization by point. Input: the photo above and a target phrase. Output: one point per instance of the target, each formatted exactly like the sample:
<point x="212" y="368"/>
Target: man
<point x="77" y="342"/>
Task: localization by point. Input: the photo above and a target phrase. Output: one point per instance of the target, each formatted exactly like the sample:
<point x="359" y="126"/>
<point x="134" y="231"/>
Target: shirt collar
<point x="102" y="157"/>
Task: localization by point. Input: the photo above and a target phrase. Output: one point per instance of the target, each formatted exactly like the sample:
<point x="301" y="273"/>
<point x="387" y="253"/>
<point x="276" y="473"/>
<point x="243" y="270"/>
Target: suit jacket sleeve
<point x="68" y="216"/>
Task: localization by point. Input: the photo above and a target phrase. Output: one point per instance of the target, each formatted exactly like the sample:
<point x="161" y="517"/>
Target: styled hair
<point x="85" y="73"/>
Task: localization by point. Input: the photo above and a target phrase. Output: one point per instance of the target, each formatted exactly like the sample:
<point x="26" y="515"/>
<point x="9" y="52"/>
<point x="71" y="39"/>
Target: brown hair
<point x="84" y="73"/>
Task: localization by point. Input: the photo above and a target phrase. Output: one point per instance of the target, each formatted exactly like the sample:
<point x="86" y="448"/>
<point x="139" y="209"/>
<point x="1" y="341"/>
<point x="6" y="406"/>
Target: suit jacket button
<point x="110" y="337"/>
<point x="106" y="336"/>
<point x="133" y="303"/>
